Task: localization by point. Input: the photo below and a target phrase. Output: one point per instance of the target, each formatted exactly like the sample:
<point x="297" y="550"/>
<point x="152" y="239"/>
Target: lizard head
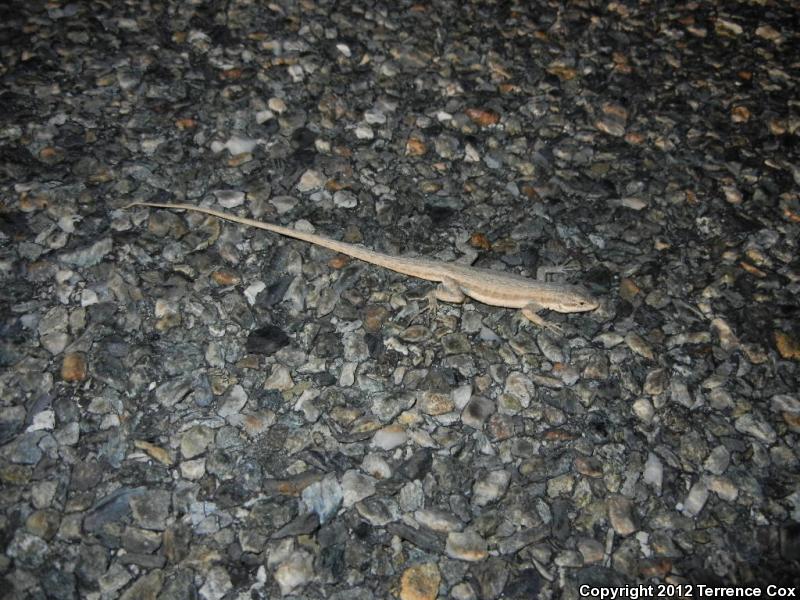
<point x="577" y="300"/>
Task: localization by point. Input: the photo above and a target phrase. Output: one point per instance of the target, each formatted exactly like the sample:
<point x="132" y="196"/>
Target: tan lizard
<point x="456" y="282"/>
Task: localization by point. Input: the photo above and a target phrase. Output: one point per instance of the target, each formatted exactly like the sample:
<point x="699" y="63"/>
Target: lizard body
<point x="456" y="281"/>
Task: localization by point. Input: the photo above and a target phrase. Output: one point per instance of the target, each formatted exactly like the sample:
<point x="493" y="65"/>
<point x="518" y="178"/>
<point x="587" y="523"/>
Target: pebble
<point x="420" y="582"/>
<point x="390" y="437"/>
<point x="754" y="425"/>
<point x="437" y="520"/>
<point x="196" y="440"/>
<point x="490" y="487"/>
<point x="74" y="367"/>
<point x="696" y="499"/>
<point x="355" y="487"/>
<point x="466" y="545"/>
<point x="620" y="515"/>
<point x="324" y="497"/>
<point x="295" y="572"/>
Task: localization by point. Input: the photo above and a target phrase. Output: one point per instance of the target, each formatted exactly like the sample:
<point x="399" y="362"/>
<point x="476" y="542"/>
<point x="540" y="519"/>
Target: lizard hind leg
<point x="531" y="312"/>
<point x="447" y="291"/>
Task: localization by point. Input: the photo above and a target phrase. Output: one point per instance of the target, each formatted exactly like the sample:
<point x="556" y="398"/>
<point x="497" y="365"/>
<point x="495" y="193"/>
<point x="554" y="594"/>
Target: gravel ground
<point x="195" y="409"/>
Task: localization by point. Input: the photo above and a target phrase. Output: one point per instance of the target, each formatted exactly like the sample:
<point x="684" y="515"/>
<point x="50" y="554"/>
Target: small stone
<point x="415" y="334"/>
<point x="788" y="346"/>
<point x="588" y="466"/>
<point x="591" y="550"/>
<point x="415" y="147"/>
<point x="455" y="343"/>
<point x="88" y="256"/>
<point x="434" y="403"/>
<point x="375" y="317"/>
<point x="196" y="440"/>
<point x="277" y="105"/>
<point x="477" y="411"/>
<point x="43" y="523"/>
<point x="696" y="499"/>
<point x="115" y="578"/>
<point x="146" y="587"/>
<point x="613" y="119"/>
<point x="355" y="487"/>
<point x="637" y="344"/>
<point x="295" y="572"/>
<point x="345" y="199"/>
<point x="376" y="466"/>
<point x="73" y="367"/>
<point x="769" y="33"/>
<point x="463" y="591"/>
<point x="229" y="198"/>
<point x="378" y="511"/>
<point x="467" y="545"/>
<point x="679" y="393"/>
<point x="151" y="509"/>
<point x="644" y="411"/>
<point x="785" y="403"/>
<point x="560" y="485"/>
<point x="43" y="420"/>
<point x="740" y="114"/>
<point x="653" y="472"/>
<point x="723" y="487"/>
<point x="619" y="514"/>
<point x="482" y="117"/>
<point x="718" y="460"/>
<point x="656" y="382"/>
<point x="252" y="291"/>
<point x="279" y="379"/>
<point x="438" y="520"/>
<point x="420" y="582"/>
<point x="238" y="144"/>
<point x="193" y="469"/>
<point x="490" y="487"/>
<point x="364" y="132"/>
<point x="521" y="387"/>
<point x="390" y="437"/>
<point x="266" y="340"/>
<point x="754" y="425"/>
<point x="310" y="181"/>
<point x="324" y="497"/>
<point x="156" y="452"/>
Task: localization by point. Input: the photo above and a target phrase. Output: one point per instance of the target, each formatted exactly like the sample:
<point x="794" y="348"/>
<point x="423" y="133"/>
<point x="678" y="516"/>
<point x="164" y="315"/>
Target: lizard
<point x="456" y="282"/>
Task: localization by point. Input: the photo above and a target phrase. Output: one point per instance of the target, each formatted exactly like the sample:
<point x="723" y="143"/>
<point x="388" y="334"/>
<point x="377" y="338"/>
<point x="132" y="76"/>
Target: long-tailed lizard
<point x="456" y="282"/>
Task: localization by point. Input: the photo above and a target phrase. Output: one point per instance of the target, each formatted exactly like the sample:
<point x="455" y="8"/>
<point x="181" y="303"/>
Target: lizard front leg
<point x="531" y="312"/>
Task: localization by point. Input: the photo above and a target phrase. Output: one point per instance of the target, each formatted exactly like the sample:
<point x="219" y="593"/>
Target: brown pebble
<point x="420" y="582"/>
<point x="656" y="567"/>
<point x="588" y="466"/>
<point x="482" y="117"/>
<point x="74" y="367"/>
<point x="628" y="289"/>
<point x="559" y="435"/>
<point x="187" y="123"/>
<point x="415" y="147"/>
<point x="788" y="346"/>
<point x="156" y="452"/>
<point x="755" y="271"/>
<point x="563" y="72"/>
<point x="740" y="114"/>
<point x="479" y="240"/>
<point x="374" y="317"/>
<point x="224" y="278"/>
